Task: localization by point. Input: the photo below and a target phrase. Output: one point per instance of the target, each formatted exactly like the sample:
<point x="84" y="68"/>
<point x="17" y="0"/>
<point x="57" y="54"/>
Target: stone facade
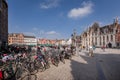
<point x="102" y="36"/>
<point x="117" y="37"/>
<point x="3" y="22"/>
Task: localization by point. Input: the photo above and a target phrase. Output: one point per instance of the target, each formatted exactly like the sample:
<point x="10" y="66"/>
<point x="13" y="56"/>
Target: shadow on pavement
<point x="99" y="67"/>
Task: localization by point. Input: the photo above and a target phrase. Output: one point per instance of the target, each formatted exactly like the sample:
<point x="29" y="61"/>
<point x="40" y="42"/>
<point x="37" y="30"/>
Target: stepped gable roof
<point x="118" y="26"/>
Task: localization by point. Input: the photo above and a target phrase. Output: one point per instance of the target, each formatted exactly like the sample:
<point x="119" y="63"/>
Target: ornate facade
<point x="3" y="22"/>
<point x="108" y="35"/>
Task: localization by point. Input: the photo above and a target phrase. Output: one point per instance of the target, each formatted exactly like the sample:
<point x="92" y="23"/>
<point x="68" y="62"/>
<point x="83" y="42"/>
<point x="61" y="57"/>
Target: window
<point x="111" y="37"/>
<point x="103" y="40"/>
<point x="111" y="30"/>
<point x="103" y="43"/>
<point x="107" y="38"/>
<point x="95" y="32"/>
<point x="117" y="44"/>
<point x="100" y="40"/>
<point x="95" y="40"/>
<point x="92" y="40"/>
<point x="116" y="31"/>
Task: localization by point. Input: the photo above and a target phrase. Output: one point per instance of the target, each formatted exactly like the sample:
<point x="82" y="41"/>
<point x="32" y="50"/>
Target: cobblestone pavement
<point x="103" y="66"/>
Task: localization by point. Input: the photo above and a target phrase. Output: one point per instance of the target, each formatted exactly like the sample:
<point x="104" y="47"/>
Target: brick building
<point x="16" y="38"/>
<point x="3" y="22"/>
<point x="21" y="39"/>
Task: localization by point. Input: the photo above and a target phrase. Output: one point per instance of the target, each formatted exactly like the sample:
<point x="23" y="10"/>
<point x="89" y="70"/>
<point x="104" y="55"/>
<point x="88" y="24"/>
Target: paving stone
<point x="84" y="67"/>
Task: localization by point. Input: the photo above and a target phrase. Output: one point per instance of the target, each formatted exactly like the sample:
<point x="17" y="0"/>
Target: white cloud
<point x="41" y="32"/>
<point x="82" y="11"/>
<point x="49" y="4"/>
<point x="51" y="33"/>
<point x="47" y="34"/>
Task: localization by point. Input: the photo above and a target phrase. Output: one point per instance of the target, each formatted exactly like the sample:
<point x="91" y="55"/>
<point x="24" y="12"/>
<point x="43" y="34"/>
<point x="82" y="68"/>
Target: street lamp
<point x="74" y="38"/>
<point x="74" y="41"/>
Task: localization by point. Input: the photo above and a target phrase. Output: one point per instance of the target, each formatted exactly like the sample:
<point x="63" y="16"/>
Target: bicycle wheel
<point x="56" y="62"/>
<point x="29" y="77"/>
<point x="33" y="77"/>
<point x="47" y="65"/>
<point x="24" y="74"/>
<point x="41" y="67"/>
<point x="63" y="60"/>
<point x="5" y="75"/>
<point x="19" y="71"/>
<point x="33" y="68"/>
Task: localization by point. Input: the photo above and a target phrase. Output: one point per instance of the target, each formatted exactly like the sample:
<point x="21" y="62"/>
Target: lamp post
<point x="74" y="40"/>
<point x="74" y="36"/>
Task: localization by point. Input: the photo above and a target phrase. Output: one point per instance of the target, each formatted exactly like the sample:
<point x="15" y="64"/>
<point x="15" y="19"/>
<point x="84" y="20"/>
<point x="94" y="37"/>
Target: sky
<point x="56" y="19"/>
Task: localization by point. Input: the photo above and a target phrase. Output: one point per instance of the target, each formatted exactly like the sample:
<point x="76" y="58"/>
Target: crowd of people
<point x="92" y="48"/>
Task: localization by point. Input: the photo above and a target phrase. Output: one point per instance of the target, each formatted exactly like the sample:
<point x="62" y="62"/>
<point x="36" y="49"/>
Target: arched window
<point x="111" y="37"/>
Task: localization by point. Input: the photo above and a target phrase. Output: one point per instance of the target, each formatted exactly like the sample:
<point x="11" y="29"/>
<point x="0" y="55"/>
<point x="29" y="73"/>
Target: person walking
<point x="103" y="48"/>
<point x="91" y="51"/>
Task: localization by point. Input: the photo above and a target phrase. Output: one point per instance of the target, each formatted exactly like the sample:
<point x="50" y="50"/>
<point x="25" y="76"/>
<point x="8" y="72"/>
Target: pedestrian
<point x="103" y="47"/>
<point x="91" y="51"/>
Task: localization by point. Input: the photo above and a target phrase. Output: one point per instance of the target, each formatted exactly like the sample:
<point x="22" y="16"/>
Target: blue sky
<point x="56" y="19"/>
